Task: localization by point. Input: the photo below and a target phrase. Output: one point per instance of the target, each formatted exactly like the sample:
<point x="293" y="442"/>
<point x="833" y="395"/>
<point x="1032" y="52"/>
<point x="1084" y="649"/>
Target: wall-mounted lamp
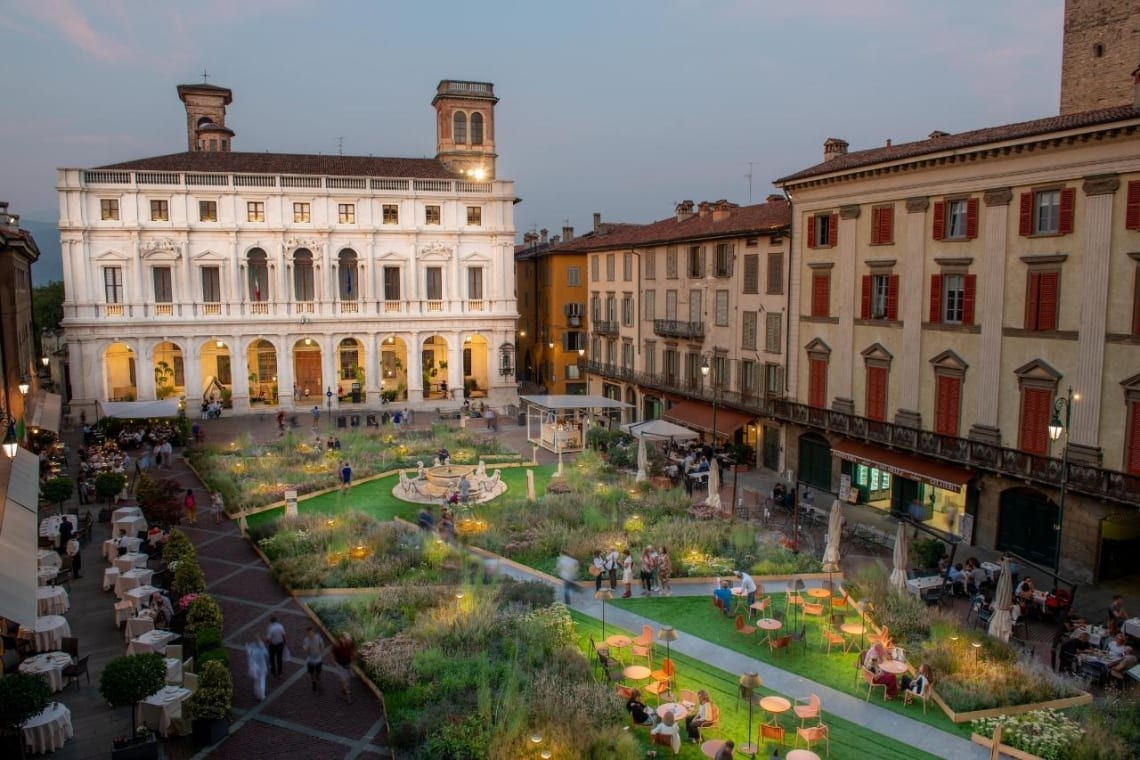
<point x="24" y="387"/>
<point x="10" y="442"/>
<point x="308" y="341"/>
<point x="219" y="344"/>
<point x="45" y="361"/>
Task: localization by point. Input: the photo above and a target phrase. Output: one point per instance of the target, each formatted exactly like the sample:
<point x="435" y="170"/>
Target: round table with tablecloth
<point x="46" y="575"/>
<point x="47" y="558"/>
<point x="111" y="547"/>
<point x="50" y="665"/>
<point x="52" y="600"/>
<point x="49" y="730"/>
<point x="47" y="633"/>
<point x="49" y="526"/>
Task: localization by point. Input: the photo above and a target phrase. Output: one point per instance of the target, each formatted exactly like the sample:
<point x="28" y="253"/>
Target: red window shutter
<point x="946" y="403"/>
<point x="811" y="231"/>
<point x="1068" y="210"/>
<point x="939" y="220"/>
<point x="875" y="213"/>
<point x="969" y="296"/>
<point x="1132" y="463"/>
<point x="833" y="230"/>
<point x="820" y="295"/>
<point x="1035" y="406"/>
<point x="971" y="218"/>
<point x="1031" y="301"/>
<point x="893" y="297"/>
<point x="883" y="221"/>
<point x="1025" y="222"/>
<point x="1132" y="207"/>
<point x="1047" y="301"/>
<point x="865" y="303"/>
<point x="1136" y="303"/>
<point x="935" y="299"/>
<point x="877" y="393"/>
<point x="817" y="383"/>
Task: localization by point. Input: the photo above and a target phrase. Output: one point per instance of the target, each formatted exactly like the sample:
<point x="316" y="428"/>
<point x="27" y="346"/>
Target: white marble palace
<point x="273" y="279"/>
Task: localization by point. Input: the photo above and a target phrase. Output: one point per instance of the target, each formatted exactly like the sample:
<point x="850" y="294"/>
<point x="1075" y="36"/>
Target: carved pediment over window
<point x="1131" y="388"/>
<point x="208" y="257"/>
<point x="435" y="250"/>
<point x="877" y="355"/>
<point x="949" y="361"/>
<point x="1038" y="370"/>
<point x="477" y="257"/>
<point x="392" y="256"/>
<point x="817" y="349"/>
<point x="160" y="249"/>
<point x="111" y="257"/>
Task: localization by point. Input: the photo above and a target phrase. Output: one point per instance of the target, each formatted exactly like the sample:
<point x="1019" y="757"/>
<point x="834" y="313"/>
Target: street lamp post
<point x="1056" y="428"/>
<point x="749" y="682"/>
<point x="603" y="595"/>
<point x="705" y="371"/>
<point x="328" y="396"/>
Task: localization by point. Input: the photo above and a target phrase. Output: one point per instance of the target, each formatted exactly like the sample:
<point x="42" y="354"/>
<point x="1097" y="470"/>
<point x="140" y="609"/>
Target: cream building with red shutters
<point x="951" y="291"/>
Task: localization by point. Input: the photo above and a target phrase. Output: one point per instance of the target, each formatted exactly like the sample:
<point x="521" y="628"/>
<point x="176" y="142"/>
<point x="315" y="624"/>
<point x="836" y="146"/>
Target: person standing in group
<point x="167" y="454"/>
<point x="191" y="506"/>
<point x="627" y="573"/>
<point x="345" y="475"/>
<point x="314" y="649"/>
<point x="664" y="572"/>
<point x="275" y="637"/>
<point x="344" y="652"/>
<point x="747" y="585"/>
<point x="613" y="559"/>
<point x="647" y="566"/>
<point x="72" y="550"/>
<point x="258" y="657"/>
<point x="597" y="569"/>
<point x="217" y="506"/>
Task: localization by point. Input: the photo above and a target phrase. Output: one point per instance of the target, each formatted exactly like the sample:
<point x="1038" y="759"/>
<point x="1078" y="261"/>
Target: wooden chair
<point x="806" y="708"/>
<point x="662" y="740"/>
<point x="719" y="605"/>
<point x="775" y="733"/>
<point x="659" y="689"/>
<point x="713" y="722"/>
<point x="781" y="642"/>
<point x="73" y="672"/>
<point x="743" y="628"/>
<point x="760" y="605"/>
<point x="869" y="679"/>
<point x="831" y="638"/>
<point x="625" y="692"/>
<point x="666" y="673"/>
<point x="909" y="696"/>
<point x="800" y="636"/>
<point x="813" y="735"/>
<point x="642" y="646"/>
<point x="840" y="603"/>
<point x="689" y="699"/>
<point x="814" y="610"/>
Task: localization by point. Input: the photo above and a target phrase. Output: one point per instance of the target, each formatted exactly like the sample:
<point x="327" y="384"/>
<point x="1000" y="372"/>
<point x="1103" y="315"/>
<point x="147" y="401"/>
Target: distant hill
<point x="50" y="266"/>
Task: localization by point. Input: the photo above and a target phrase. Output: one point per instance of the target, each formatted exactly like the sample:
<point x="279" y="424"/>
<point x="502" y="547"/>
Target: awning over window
<point x="45" y="412"/>
<point x="699" y="416"/>
<point x="910" y="466"/>
<point x="19" y="534"/>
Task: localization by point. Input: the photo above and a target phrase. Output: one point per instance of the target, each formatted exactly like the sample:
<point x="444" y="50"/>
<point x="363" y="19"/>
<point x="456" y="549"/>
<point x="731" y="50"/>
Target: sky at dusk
<point x="623" y="107"/>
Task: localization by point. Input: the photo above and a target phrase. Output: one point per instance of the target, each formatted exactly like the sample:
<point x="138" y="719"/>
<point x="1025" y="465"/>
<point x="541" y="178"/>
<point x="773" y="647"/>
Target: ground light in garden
<point x="977" y="645"/>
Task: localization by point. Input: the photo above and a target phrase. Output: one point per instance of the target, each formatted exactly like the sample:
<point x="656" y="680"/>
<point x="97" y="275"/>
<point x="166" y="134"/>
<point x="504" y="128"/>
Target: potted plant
<point x="58" y="490"/>
<point x="178" y="547"/>
<point x="108" y="485"/>
<point x="210" y="704"/>
<point x="202" y="612"/>
<point x="188" y="579"/>
<point x="125" y="682"/>
<point x="22" y="696"/>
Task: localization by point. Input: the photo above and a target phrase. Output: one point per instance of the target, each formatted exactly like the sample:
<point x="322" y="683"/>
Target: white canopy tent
<point x="19" y="534"/>
<point x="139" y="410"/>
<point x="659" y="430"/>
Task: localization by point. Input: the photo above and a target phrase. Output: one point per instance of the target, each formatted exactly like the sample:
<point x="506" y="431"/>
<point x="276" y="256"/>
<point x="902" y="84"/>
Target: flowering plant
<point x="184" y="602"/>
<point x="1045" y="733"/>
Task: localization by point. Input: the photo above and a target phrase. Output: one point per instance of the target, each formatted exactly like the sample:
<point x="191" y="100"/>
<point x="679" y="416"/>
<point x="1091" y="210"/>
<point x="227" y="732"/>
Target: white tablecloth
<point x="131" y="560"/>
<point x="47" y="633"/>
<point x="110" y="578"/>
<point x="47" y="558"/>
<point x="151" y="641"/>
<point x="46" y="574"/>
<point x="157" y="710"/>
<point x="139" y="596"/>
<point x="139" y="576"/>
<point x="137" y="626"/>
<point x="111" y="547"/>
<point x="52" y="600"/>
<point x="49" y="526"/>
<point x="1132" y="627"/>
<point x="126" y="513"/>
<point x="132" y="525"/>
<point x="917" y="585"/>
<point x="993" y="570"/>
<point x="173" y="670"/>
<point x="50" y="665"/>
<point x="49" y="730"/>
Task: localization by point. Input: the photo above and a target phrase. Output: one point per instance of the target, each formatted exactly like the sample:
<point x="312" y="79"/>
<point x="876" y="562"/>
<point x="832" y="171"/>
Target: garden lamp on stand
<point x="863" y="605"/>
<point x="667" y="634"/>
<point x="749" y="682"/>
<point x="798" y="589"/>
<point x="603" y="595"/>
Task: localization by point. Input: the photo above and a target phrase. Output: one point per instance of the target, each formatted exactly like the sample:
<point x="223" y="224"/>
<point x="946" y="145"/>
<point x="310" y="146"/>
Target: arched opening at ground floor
<point x="1027" y="521"/>
<point x="476" y="366"/>
<point x="120" y="381"/>
<point x="216" y="370"/>
<point x="434" y="365"/>
<point x="169" y="371"/>
<point x="307" y="379"/>
<point x="350" y="371"/>
<point x="393" y="369"/>
<point x="261" y="359"/>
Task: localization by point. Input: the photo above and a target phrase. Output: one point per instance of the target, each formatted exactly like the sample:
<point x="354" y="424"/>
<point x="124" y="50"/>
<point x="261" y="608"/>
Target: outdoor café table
<point x="47" y="633"/>
<point x="636" y="672"/>
<point x="126" y="513"/>
<point x="993" y="570"/>
<point x="110" y="577"/>
<point x="775" y="705"/>
<point x="139" y="595"/>
<point x="768" y="625"/>
<point x="131" y="559"/>
<point x="801" y="754"/>
<point x="137" y="626"/>
<point x="893" y="666"/>
<point x="619" y="642"/>
<point x="819" y="592"/>
<point x="46" y="574"/>
<point x="139" y="576"/>
<point x="132" y="525"/>
<point x="739" y="599"/>
<point x="49" y="730"/>
<point x="680" y="712"/>
<point x="49" y="526"/>
<point x="711" y="747"/>
<point x="111" y="548"/>
<point x="917" y="585"/>
<point x="151" y="641"/>
<point x="1132" y="627"/>
<point x="159" y="709"/>
<point x="50" y="665"/>
<point x="173" y="670"/>
<point x="852" y="629"/>
<point x="52" y="600"/>
<point x="47" y="558"/>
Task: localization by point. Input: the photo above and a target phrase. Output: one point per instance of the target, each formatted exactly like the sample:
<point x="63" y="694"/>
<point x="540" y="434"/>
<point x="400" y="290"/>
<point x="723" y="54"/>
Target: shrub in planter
<point x="178" y="547"/>
<point x="927" y="552"/>
<point x="57" y="490"/>
<point x="188" y="579"/>
<point x="128" y="680"/>
<point x="203" y="612"/>
<point x="211" y="703"/>
<point x="108" y="485"/>
<point x="160" y="499"/>
<point x="22" y="695"/>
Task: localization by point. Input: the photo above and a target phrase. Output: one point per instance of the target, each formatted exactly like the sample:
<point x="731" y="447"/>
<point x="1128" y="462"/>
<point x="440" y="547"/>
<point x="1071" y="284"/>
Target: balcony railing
<point x="306" y="181"/>
<point x="391" y="307"/>
<point x="349" y="307"/>
<point x="673" y="328"/>
<point x="164" y="310"/>
<point x="476" y="305"/>
<point x="606" y="327"/>
<point x="1089" y="480"/>
<point x="212" y="309"/>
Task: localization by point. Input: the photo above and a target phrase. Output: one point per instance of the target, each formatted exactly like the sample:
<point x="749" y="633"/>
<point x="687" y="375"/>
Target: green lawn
<point x="696" y="616"/>
<point x="849" y="741"/>
<point x="375" y="498"/>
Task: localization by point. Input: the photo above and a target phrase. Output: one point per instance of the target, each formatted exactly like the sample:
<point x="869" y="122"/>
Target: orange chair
<point x="741" y="627"/>
<point x="831" y="638"/>
<point x="839" y="603"/>
<point x="625" y="692"/>
<point x="782" y="642"/>
<point x="815" y="610"/>
<point x="689" y="699"/>
<point x="776" y="733"/>
<point x="814" y="735"/>
<point x="719" y="605"/>
<point x="909" y="696"/>
<point x="713" y="722"/>
<point x="760" y="605"/>
<point x="659" y="689"/>
<point x="807" y="708"/>
<point x="643" y="646"/>
<point x="666" y="673"/>
<point x="869" y="679"/>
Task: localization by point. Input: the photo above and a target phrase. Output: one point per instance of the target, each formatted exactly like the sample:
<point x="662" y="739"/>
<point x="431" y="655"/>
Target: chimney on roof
<point x="722" y="209"/>
<point x="597" y="222"/>
<point x="938" y="133"/>
<point x="567" y="234"/>
<point x="703" y="208"/>
<point x="684" y="210"/>
<point x="774" y="198"/>
<point x="555" y="240"/>
<point x="542" y="235"/>
<point x="833" y="147"/>
<point x="530" y="238"/>
<point x="888" y="142"/>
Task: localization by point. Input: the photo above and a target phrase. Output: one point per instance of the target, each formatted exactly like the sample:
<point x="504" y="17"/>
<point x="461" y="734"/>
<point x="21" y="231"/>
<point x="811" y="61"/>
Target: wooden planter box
<point x="147" y="749"/>
<point x="1055" y="704"/>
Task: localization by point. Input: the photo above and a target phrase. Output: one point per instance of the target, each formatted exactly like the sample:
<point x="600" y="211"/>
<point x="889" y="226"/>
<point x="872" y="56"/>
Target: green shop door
<point x="771" y="451"/>
<point x="815" y="461"/>
<point x="1026" y="525"/>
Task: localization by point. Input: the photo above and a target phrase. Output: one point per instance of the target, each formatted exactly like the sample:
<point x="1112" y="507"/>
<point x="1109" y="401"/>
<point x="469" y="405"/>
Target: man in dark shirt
<point x="638" y="711"/>
<point x="1071" y="648"/>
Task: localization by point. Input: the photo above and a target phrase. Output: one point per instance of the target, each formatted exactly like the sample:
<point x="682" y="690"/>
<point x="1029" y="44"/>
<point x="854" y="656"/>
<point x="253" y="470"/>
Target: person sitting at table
<point x="747" y="584"/>
<point x="703" y="716"/>
<point x="724" y="594"/>
<point x="918" y="684"/>
<point x="876" y="654"/>
<point x="1070" y="649"/>
<point x="640" y="714"/>
<point x="163" y="609"/>
<point x="725" y="751"/>
<point x="123" y="542"/>
<point x="1025" y="591"/>
<point x="1120" y="655"/>
<point x="957" y="577"/>
<point x="703" y="465"/>
<point x="668" y="728"/>
<point x="1116" y="614"/>
<point x="688" y="462"/>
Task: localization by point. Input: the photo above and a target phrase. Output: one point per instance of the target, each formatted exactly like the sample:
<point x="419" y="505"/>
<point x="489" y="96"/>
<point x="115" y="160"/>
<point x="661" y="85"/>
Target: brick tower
<point x="206" y="117"/>
<point x="1100" y="50"/>
<point x="465" y="127"/>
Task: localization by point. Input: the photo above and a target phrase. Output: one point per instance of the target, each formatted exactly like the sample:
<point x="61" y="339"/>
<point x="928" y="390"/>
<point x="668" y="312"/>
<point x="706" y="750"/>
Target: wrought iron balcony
<point x="1089" y="480"/>
<point x="605" y="327"/>
<point x="673" y="328"/>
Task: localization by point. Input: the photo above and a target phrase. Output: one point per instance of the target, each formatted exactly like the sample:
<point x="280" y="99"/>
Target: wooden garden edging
<point x="997" y="749"/>
<point x="1083" y="698"/>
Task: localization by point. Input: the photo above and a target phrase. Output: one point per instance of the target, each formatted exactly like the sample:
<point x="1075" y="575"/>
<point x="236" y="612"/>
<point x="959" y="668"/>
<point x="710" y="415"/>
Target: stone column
<point x="192" y="369"/>
<point x="843" y="286"/>
<point x="373" y="372"/>
<point x="285" y="379"/>
<point x="1100" y="193"/>
<point x="912" y="272"/>
<point x="413" y="366"/>
<point x="144" y="370"/>
<point x="239" y="374"/>
<point x="989" y="313"/>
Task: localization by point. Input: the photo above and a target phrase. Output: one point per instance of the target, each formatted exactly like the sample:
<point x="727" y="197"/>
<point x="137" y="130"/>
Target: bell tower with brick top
<point x="465" y="127"/>
<point x="1101" y="49"/>
<point x="206" y="128"/>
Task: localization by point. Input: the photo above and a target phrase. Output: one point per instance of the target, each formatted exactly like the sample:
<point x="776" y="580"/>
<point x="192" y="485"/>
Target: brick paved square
<point x="261" y="740"/>
<point x="256" y="585"/>
<point x="326" y="709"/>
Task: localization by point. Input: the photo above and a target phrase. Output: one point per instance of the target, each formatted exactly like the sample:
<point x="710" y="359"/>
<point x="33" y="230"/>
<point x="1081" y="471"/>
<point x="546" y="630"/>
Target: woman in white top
<point x="668" y="727"/>
<point x="627" y="573"/>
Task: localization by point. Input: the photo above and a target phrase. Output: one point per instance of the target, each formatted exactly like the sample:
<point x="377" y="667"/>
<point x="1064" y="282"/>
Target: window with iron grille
<point x="748" y="322"/>
<point x="773" y="332"/>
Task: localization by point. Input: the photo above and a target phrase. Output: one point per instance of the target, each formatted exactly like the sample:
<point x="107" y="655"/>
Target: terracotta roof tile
<point x="289" y="163"/>
<point x="965" y="140"/>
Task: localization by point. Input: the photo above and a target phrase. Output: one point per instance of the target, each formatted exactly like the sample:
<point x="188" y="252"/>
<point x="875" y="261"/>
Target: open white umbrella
<point x="834" y="529"/>
<point x="642" y="460"/>
<point x="902" y="559"/>
<point x="1001" y="624"/>
<point x="714" y="485"/>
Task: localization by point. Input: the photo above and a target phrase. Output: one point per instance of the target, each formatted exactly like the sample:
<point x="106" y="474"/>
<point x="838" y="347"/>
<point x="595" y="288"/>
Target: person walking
<point x="627" y="573"/>
<point x="568" y="572"/>
<point x="217" y="506"/>
<point x="344" y="652"/>
<point x="314" y="650"/>
<point x="258" y="658"/>
<point x="275" y="637"/>
<point x="72" y="550"/>
<point x="191" y="506"/>
<point x="345" y="475"/>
